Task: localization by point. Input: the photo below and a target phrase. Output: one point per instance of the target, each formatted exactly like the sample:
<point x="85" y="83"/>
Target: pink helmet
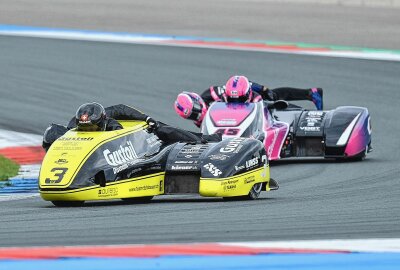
<point x="190" y="106"/>
<point x="238" y="88"/>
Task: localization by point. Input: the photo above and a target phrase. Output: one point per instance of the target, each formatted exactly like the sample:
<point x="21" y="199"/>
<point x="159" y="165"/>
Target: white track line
<point x="17" y="196"/>
<point x="28" y="172"/>
<point x="356" y="245"/>
<point x="386" y="55"/>
<point x="15" y="139"/>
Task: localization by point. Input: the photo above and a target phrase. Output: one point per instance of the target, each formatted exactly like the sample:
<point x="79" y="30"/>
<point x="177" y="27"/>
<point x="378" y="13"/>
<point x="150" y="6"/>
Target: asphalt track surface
<point x="272" y="20"/>
<point x="44" y="80"/>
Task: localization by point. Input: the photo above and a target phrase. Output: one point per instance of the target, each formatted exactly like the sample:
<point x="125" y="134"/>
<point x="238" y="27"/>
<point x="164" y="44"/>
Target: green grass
<point x="8" y="168"/>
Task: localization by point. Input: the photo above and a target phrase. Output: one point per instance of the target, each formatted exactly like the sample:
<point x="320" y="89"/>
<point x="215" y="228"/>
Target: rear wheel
<point x="68" y="203"/>
<point x="138" y="199"/>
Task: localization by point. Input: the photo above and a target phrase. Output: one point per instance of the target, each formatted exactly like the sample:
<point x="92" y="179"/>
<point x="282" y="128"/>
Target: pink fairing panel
<point x="275" y="135"/>
<point x="230" y="114"/>
<point x="360" y="136"/>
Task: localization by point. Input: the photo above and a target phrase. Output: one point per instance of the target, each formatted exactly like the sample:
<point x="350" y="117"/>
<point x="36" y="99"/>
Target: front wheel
<point x="68" y="203"/>
<point x="254" y="193"/>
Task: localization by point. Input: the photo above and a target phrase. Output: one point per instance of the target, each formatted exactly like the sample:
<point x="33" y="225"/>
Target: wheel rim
<point x="256" y="190"/>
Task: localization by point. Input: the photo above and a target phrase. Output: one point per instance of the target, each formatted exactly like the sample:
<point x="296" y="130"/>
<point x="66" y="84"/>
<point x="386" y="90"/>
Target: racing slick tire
<point x="68" y="203"/>
<point x="254" y="193"/>
<point x="138" y="199"/>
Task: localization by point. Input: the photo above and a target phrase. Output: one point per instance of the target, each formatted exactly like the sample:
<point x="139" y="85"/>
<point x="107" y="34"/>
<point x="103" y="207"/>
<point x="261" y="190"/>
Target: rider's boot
<point x="317" y="98"/>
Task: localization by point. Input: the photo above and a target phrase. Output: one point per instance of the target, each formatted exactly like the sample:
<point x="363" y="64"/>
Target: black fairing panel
<point x="185" y="158"/>
<point x="216" y="160"/>
<point x="311" y="124"/>
<point x="125" y="157"/>
<point x="337" y="122"/>
<point x="233" y="156"/>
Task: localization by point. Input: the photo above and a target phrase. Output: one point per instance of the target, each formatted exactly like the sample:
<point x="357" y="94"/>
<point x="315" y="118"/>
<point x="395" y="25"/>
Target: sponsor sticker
<point x="80" y="139"/>
<point x="156" y="167"/>
<point x="227" y="122"/>
<point x="183" y="167"/>
<point x="213" y="169"/>
<point x="311" y="128"/>
<point x="145" y="187"/>
<point x="122" y="155"/>
<point x="134" y="171"/>
<point x="239" y="168"/>
<point x="315" y="113"/>
<point x="251" y="163"/>
<point x="184" y="161"/>
<point x="107" y="192"/>
<point x="229" y="182"/>
<point x="61" y="161"/>
<point x="191" y="150"/>
<point x="265" y="170"/>
<point x="152" y="141"/>
<point x="122" y="158"/>
<point x="229" y="185"/>
<point x="233" y="146"/>
<point x="218" y="157"/>
<point x="249" y="179"/>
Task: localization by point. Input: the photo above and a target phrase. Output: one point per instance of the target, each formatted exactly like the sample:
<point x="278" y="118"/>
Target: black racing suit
<point x="166" y="133"/>
<point x="119" y="112"/>
<point x="215" y="93"/>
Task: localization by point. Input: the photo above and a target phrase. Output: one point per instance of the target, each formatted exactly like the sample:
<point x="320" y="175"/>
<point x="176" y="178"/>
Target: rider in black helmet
<point x="94" y="117"/>
<point x="91" y="117"/>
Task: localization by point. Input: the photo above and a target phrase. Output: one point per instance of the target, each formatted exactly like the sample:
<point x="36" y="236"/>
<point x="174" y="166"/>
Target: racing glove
<point x="268" y="94"/>
<point x="153" y="125"/>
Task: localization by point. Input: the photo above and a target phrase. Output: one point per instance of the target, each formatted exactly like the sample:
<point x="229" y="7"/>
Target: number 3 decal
<point x="59" y="173"/>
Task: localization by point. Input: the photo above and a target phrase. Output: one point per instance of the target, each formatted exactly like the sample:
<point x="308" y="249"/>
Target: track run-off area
<point x="45" y="80"/>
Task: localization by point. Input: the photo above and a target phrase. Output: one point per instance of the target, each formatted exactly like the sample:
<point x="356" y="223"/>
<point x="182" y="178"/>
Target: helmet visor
<point x="90" y="117"/>
<point x="241" y="99"/>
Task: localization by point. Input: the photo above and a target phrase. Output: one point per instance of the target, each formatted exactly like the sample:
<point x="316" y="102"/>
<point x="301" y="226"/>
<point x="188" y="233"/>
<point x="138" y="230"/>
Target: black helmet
<point x="90" y="117"/>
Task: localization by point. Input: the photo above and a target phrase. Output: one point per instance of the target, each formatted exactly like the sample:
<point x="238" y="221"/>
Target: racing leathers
<point x="123" y="112"/>
<point x="260" y="92"/>
<point x="119" y="112"/>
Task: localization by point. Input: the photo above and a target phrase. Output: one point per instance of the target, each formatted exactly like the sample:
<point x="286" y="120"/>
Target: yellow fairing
<point x="68" y="154"/>
<point x="238" y="185"/>
<point x="64" y="159"/>
<point x="149" y="185"/>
